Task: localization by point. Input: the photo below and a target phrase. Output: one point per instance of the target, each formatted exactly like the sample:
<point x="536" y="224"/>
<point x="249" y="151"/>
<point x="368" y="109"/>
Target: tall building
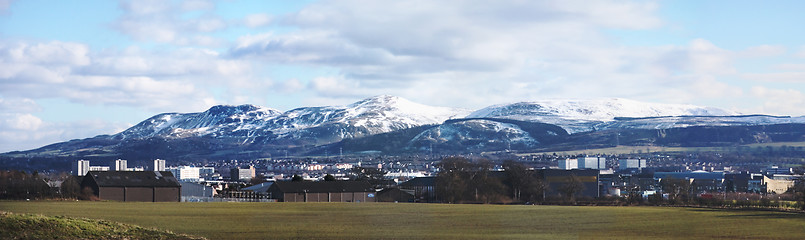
<point x="159" y="165"/>
<point x="625" y="164"/>
<point x="245" y="174"/>
<point x="81" y="167"/>
<point x="567" y="164"/>
<point x="593" y="163"/>
<point x="120" y="165"/>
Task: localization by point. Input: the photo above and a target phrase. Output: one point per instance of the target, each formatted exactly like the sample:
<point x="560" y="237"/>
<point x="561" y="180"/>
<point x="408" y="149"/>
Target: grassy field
<point x="429" y="221"/>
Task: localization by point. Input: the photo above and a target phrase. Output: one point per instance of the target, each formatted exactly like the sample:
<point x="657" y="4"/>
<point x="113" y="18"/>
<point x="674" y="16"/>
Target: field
<point x="429" y="221"/>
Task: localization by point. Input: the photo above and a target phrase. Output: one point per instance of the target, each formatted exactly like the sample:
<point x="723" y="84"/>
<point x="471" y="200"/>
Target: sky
<point x="77" y="69"/>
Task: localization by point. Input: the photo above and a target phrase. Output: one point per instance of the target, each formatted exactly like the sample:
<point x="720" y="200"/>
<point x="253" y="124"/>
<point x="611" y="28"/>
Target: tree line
<point x="463" y="181"/>
<point x="20" y="185"/>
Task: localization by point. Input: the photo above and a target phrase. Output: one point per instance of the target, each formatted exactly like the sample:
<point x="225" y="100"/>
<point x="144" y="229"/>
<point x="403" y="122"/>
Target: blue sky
<point x="76" y="69"/>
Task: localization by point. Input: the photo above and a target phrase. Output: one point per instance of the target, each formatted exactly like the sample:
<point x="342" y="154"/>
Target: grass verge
<point x="30" y="226"/>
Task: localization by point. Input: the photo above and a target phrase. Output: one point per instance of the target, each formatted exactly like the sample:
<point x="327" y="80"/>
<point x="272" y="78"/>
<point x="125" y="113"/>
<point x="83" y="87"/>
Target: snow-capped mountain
<point x="248" y="123"/>
<point x="479" y="133"/>
<point x="394" y="125"/>
<point x="585" y="115"/>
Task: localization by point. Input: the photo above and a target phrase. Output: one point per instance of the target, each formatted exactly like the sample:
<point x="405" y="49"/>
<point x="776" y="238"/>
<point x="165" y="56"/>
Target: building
<point x="190" y="189"/>
<point x="81" y="167"/>
<point x="592" y="163"/>
<point x="630" y="164"/>
<point x="423" y="188"/>
<point x="129" y="186"/>
<point x="700" y="181"/>
<point x="779" y="183"/>
<point x="120" y="165"/>
<point x="557" y="179"/>
<point x="259" y="188"/>
<point x="774" y="170"/>
<point x="185" y="173"/>
<point x="98" y="168"/>
<point x="567" y="164"/>
<point x="242" y="174"/>
<point x="323" y="191"/>
<point x="744" y="182"/>
<point x="159" y="165"/>
<point x="395" y="195"/>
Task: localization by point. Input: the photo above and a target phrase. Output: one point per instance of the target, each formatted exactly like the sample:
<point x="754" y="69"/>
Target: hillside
<point x="28" y="226"/>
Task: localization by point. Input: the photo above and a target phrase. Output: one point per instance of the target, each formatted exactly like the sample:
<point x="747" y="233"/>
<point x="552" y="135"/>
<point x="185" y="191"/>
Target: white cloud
<point x="22" y="105"/>
<point x="291" y="85"/>
<point x="257" y="20"/>
<point x="156" y="80"/>
<point x="412" y="47"/>
<point x="784" y="77"/>
<point x="167" y="22"/>
<point x="780" y="101"/>
<point x="25" y="122"/>
<point x="33" y="133"/>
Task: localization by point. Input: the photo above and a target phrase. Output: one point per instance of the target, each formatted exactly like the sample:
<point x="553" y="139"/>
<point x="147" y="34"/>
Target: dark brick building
<point x="324" y="191"/>
<point x="129" y="186"/>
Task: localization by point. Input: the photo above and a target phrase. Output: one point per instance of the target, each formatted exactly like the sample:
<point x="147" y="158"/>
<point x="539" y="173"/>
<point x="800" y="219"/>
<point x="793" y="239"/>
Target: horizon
<point x="70" y="75"/>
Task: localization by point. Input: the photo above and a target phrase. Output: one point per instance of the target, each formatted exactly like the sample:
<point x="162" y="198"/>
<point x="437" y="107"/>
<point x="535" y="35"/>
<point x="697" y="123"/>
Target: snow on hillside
<point x="594" y="110"/>
<point x="584" y="115"/>
<point x="374" y="115"/>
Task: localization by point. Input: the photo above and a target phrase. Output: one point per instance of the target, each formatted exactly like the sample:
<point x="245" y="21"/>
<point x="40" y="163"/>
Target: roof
<point x="323" y="186"/>
<point x="420" y="181"/>
<point x="690" y="175"/>
<point x="262" y="187"/>
<point x="134" y="179"/>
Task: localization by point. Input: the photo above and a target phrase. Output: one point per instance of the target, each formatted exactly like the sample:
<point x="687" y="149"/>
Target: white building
<point x="120" y="165"/>
<point x="568" y="164"/>
<point x="99" y="168"/>
<point x="185" y="173"/>
<point x="159" y="165"/>
<point x="245" y="174"/>
<point x="81" y="167"/>
<point x="593" y="163"/>
<point x="625" y="164"/>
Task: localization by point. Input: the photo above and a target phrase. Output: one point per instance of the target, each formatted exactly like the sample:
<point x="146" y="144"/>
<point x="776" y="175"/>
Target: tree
<point x="523" y="184"/>
<point x="460" y="180"/>
<point x="329" y="178"/>
<point x="799" y="193"/>
<point x="257" y="180"/>
<point x="70" y="188"/>
<point x="572" y="186"/>
<point x="678" y="190"/>
<point x="375" y="176"/>
<point x="452" y="180"/>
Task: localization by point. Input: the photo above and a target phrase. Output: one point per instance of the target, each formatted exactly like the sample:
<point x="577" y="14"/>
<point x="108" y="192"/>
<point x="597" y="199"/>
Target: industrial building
<point x="323" y="191"/>
<point x="130" y="186"/>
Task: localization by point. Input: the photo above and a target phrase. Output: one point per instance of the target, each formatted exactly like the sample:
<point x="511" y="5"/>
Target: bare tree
<point x="571" y="188"/>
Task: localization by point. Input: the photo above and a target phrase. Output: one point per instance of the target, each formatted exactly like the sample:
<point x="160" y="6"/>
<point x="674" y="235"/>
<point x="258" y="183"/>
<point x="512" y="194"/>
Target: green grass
<point x="430" y="221"/>
<point x="28" y="226"/>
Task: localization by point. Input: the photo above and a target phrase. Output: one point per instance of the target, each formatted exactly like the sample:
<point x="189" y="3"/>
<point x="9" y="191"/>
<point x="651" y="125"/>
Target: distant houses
<point x="129" y="186"/>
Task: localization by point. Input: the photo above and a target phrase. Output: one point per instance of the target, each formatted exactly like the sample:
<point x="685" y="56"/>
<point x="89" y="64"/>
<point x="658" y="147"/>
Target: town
<point x="554" y="180"/>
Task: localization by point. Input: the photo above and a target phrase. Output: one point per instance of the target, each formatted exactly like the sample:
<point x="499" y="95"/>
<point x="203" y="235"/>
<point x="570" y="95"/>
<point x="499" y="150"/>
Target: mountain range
<point x="393" y="125"/>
